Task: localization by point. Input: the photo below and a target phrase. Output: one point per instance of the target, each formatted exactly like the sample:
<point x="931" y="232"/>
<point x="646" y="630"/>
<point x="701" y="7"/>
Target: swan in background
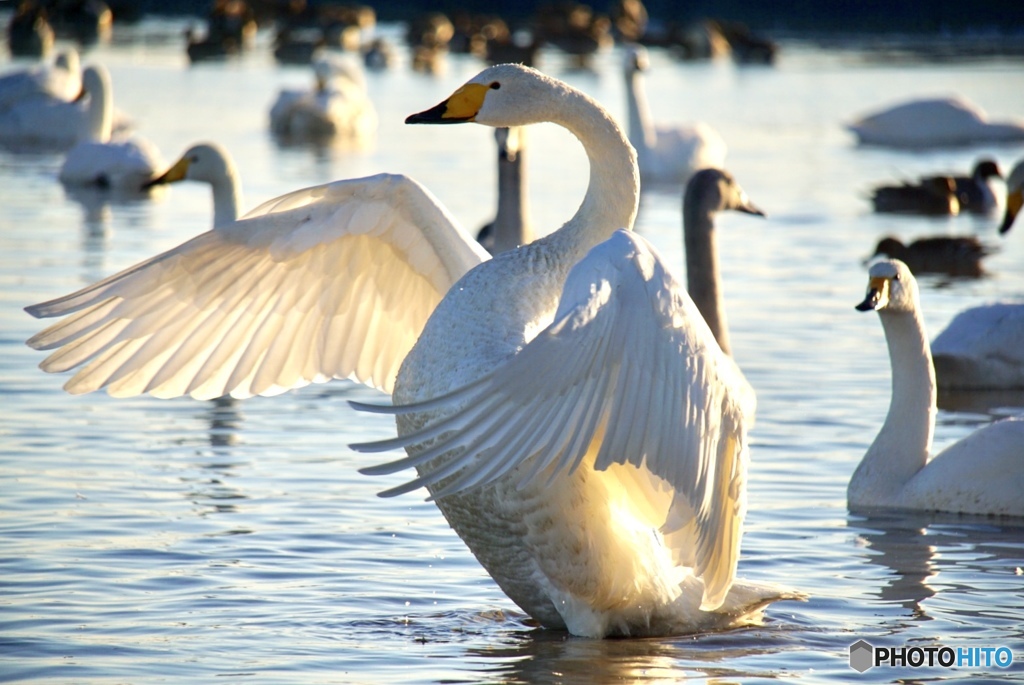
<point x="604" y="495"/>
<point x="982" y="348"/>
<point x="981" y="474"/>
<point x="98" y="161"/>
<point x="61" y="80"/>
<point x="57" y="124"/>
<point x="935" y="122"/>
<point x="1014" y="196"/>
<point x="511" y="226"/>
<point x="337" y="106"/>
<point x="708" y="192"/>
<point x="666" y="153"/>
<point x="209" y="163"/>
<point x="950" y="255"/>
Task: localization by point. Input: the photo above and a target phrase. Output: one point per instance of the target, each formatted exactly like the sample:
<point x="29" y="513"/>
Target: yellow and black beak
<point x="173" y="175"/>
<point x="1014" y="202"/>
<point x="462" y="106"/>
<point x="877" y="297"/>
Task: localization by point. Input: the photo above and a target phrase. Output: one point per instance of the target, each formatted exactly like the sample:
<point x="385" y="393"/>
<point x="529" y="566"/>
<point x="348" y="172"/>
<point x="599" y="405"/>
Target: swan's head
<point x="891" y="288"/>
<point x="634" y="59"/>
<point x="1014" y="196"/>
<point x="713" y="190"/>
<point x="207" y="162"/>
<point x="502" y="96"/>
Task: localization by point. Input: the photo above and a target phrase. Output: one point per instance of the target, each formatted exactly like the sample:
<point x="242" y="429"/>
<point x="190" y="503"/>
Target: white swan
<point x="708" y="192"/>
<point x="209" y="163"/>
<point x="98" y="161"/>
<point x="666" y="153"/>
<point x="982" y="348"/>
<point x="1014" y="196"/>
<point x="61" y="80"/>
<point x="337" y="106"/>
<point x="594" y="434"/>
<point x="981" y="474"/>
<point x="934" y="122"/>
<point x="53" y="123"/>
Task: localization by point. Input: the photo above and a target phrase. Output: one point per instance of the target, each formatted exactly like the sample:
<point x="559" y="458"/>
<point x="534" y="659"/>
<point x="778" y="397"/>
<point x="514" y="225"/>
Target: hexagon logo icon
<point x="862" y="656"/>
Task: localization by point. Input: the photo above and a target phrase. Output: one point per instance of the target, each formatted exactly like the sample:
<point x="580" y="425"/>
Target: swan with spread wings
<point x="564" y="403"/>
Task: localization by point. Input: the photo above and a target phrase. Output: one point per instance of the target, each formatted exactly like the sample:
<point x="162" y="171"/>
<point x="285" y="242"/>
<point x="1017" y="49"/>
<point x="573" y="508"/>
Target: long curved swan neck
<point x="512" y="221"/>
<point x="227" y="196"/>
<point x="641" y="125"/>
<point x="702" y="274"/>
<point x="613" y="193"/>
<point x="100" y="108"/>
<point x="901" y="448"/>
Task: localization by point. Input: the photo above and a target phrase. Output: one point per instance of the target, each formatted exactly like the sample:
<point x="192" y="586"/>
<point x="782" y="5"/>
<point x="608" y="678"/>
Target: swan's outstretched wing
<point x="628" y="373"/>
<point x="333" y="281"/>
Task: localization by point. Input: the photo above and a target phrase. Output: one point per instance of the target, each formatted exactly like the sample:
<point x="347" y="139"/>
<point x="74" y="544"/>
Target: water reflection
<point x="212" y="490"/>
<point x="225" y="417"/>
<point x="548" y="656"/>
<point x="898" y="544"/>
<point x="918" y="551"/>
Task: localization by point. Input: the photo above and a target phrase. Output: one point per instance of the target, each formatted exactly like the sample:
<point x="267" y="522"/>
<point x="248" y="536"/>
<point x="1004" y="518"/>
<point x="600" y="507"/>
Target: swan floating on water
<point x="981" y="474"/>
<point x="982" y="348"/>
<point x="52" y="123"/>
<point x="934" y="122"/>
<point x="98" y="161"/>
<point x="666" y="153"/>
<point x="209" y="163"/>
<point x="61" y="80"/>
<point x="564" y="403"/>
<point x="708" y="192"/>
<point x="337" y="106"/>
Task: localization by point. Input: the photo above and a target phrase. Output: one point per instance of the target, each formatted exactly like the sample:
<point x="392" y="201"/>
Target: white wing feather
<point x="333" y="281"/>
<point x="628" y="373"/>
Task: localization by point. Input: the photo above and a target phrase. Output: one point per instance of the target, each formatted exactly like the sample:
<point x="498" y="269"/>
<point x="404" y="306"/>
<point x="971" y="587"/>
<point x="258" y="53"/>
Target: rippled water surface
<point x="146" y="541"/>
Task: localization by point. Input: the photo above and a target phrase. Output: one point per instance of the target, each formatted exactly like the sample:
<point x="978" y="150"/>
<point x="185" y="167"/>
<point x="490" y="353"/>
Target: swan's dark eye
<point x="494" y="86"/>
<point x="896" y="277"/>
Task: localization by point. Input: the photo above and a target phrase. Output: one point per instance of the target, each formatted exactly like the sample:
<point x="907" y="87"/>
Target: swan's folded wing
<point x="333" y="281"/>
<point x="628" y="373"/>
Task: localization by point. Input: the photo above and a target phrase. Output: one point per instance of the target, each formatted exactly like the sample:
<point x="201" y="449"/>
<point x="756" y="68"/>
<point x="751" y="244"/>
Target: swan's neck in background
<point x="512" y="220"/>
<point x="100" y="115"/>
<point x="702" y="277"/>
<point x="227" y="199"/>
<point x="614" y="189"/>
<point x="901" y="448"/>
<point x="641" y="127"/>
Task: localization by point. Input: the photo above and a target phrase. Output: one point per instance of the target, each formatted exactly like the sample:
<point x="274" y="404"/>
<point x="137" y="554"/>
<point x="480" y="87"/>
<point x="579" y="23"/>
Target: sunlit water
<point x="152" y="541"/>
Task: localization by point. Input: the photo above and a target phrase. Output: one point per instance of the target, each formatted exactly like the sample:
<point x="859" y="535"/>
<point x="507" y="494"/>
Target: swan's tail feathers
<point x="746" y="602"/>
